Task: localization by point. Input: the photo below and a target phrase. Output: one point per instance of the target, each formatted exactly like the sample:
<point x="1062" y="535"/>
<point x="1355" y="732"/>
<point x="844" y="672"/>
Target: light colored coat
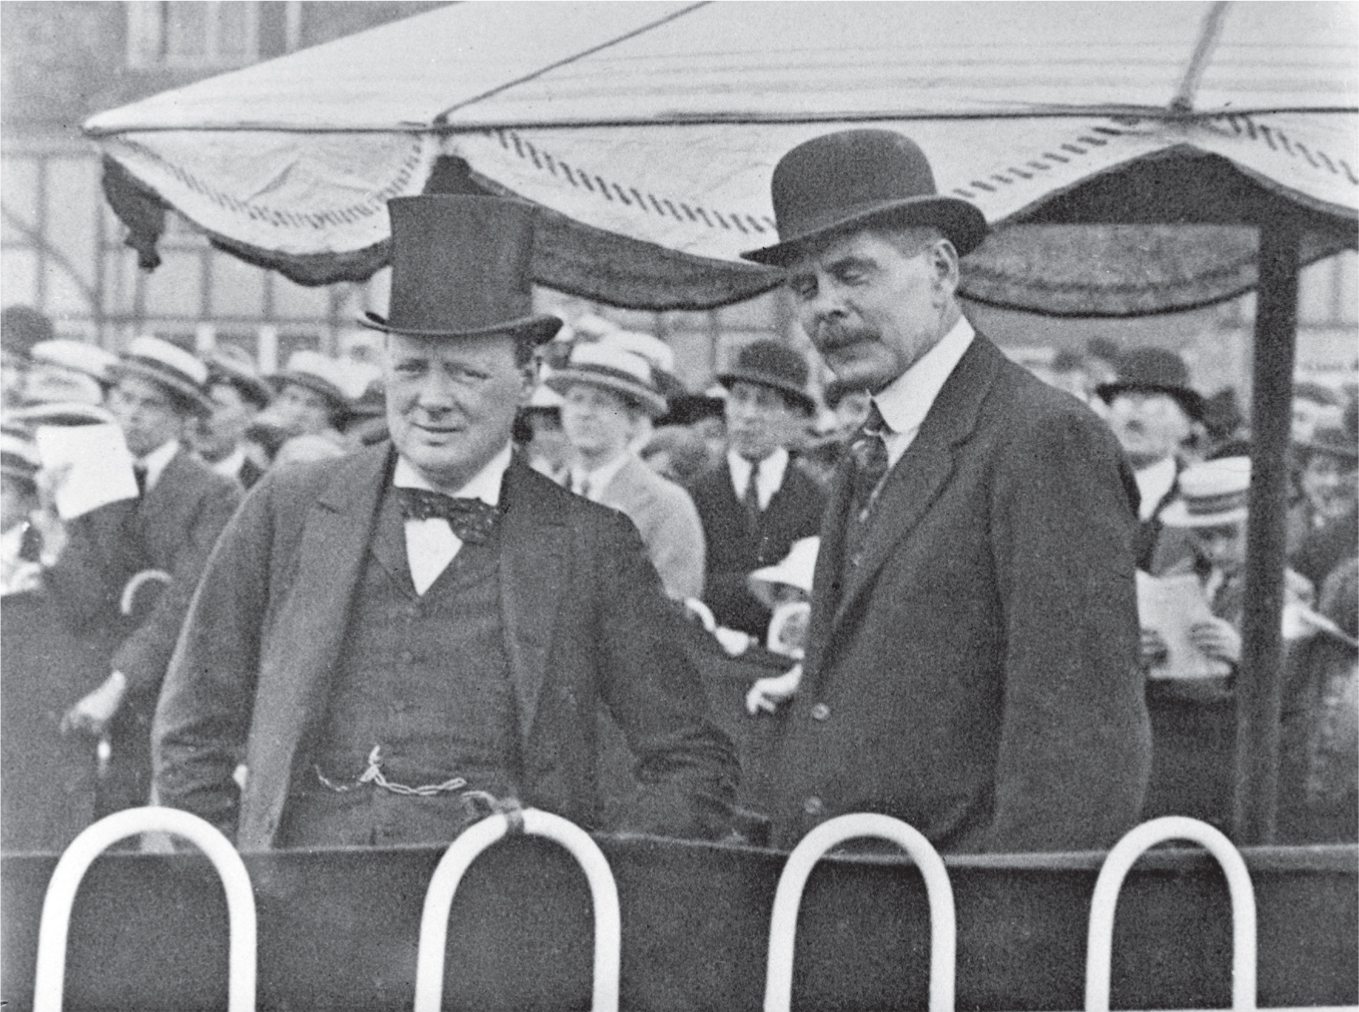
<point x="666" y="518"/>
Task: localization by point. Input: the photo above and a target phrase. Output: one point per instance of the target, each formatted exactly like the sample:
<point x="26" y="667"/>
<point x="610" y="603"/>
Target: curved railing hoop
<point x="429" y="961"/>
<point x="778" y="994"/>
<point x="53" y="928"/>
<point x="1100" y="944"/>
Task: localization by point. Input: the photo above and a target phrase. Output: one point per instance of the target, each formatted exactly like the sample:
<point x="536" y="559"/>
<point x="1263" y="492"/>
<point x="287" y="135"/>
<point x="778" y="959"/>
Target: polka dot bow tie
<point x="471" y="519"/>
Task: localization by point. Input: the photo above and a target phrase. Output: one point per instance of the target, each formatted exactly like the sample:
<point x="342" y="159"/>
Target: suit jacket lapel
<point x="829" y="563"/>
<point x="389" y="541"/>
<point x="923" y="470"/>
<point x="335" y="539"/>
<point x="532" y="583"/>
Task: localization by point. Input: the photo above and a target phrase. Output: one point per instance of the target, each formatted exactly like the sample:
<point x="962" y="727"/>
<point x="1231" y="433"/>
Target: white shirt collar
<point x="908" y="399"/>
<point x="600" y="477"/>
<point x="769" y="480"/>
<point x="157" y="461"/>
<point x="230" y="465"/>
<point x="484" y="485"/>
<point x="1154" y="483"/>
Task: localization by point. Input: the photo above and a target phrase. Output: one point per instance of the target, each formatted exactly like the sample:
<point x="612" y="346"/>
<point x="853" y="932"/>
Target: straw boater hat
<point x="462" y="267"/>
<point x="232" y="366"/>
<point x="610" y="367"/>
<point x="60" y="414"/>
<point x="64" y="370"/>
<point x="1156" y="371"/>
<point x="1211" y="494"/>
<point x="771" y="364"/>
<point x="319" y="373"/>
<point x="854" y="178"/>
<point x="172" y="368"/>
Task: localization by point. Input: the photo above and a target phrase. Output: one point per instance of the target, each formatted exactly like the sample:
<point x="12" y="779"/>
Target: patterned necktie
<point x="471" y="519"/>
<point x="751" y="500"/>
<point x="870" y="459"/>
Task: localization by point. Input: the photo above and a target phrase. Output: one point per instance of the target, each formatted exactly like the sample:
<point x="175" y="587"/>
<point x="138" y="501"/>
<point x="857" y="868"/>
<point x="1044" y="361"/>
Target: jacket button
<point x="813" y="806"/>
<point x="820" y="711"/>
<point x="855" y="560"/>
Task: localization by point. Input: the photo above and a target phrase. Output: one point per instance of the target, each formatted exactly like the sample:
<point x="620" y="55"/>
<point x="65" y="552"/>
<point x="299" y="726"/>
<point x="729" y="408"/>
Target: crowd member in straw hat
<point x="607" y="390"/>
<point x="971" y="660"/>
<point x="397" y="638"/>
<point x="159" y="393"/>
<point x="47" y="794"/>
<point x="757" y="502"/>
<point x="1153" y="412"/>
<point x="66" y="371"/>
<point x="313" y="399"/>
<point x="238" y="394"/>
<point x="1193" y="721"/>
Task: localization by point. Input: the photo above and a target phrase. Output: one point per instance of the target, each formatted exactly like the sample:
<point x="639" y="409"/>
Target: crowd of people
<point x="349" y="606"/>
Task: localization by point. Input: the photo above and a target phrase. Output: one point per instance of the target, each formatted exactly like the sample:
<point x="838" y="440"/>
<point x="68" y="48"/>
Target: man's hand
<point x="767" y="694"/>
<point x="93" y="713"/>
<point x="1154" y="649"/>
<point x="1217" y="639"/>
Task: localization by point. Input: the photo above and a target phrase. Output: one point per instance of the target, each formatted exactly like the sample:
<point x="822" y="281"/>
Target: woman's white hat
<point x="794" y="570"/>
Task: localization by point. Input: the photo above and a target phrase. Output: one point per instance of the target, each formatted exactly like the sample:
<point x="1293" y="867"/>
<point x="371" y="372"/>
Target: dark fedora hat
<point x="854" y="178"/>
<point x="1157" y="371"/>
<point x="461" y="268"/>
<point x="771" y="364"/>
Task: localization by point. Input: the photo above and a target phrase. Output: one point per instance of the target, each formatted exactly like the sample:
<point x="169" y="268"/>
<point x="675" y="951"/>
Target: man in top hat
<point x="159" y="393"/>
<point x="1153" y="411"/>
<point x="607" y="391"/>
<point x="971" y="658"/>
<point x="391" y="637"/>
<point x="758" y="502"/>
<point x="238" y="394"/>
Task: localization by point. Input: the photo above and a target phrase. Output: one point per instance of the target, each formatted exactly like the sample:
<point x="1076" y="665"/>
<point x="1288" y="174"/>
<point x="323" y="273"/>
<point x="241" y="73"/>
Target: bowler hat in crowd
<point x="771" y="364"/>
<point x="170" y="367"/>
<point x="1154" y="370"/>
<point x="21" y="327"/>
<point x="855" y="178"/>
<point x="1211" y="494"/>
<point x="461" y="267"/>
<point x="606" y="365"/>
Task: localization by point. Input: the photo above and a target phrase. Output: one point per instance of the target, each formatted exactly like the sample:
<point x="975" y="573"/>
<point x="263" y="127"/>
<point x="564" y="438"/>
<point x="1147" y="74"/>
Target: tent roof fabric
<point x="651" y="129"/>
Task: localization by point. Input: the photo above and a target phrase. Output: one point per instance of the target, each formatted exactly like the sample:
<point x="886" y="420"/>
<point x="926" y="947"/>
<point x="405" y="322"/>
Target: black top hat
<point x="461" y="268"/>
<point x="853" y="178"/>
<point x="1154" y="370"/>
<point x="771" y="364"/>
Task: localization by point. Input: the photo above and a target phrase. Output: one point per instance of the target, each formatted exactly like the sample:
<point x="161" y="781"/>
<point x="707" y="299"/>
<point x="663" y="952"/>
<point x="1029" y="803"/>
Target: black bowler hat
<point x="461" y="268"/>
<point x="855" y="178"/>
<point x="771" y="364"/>
<point x="1154" y="371"/>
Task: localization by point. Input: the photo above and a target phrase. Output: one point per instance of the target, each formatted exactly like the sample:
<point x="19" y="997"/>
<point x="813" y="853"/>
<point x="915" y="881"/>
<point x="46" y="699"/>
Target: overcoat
<point x="971" y="667"/>
<point x="585" y="623"/>
<point x="665" y="517"/>
<point x="735" y="550"/>
<point x="171" y="529"/>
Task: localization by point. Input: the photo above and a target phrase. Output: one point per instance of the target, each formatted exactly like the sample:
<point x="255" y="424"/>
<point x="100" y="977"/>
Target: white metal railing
<point x="50" y="978"/>
<point x="429" y="964"/>
<point x="1099" y="949"/>
<point x="811" y="848"/>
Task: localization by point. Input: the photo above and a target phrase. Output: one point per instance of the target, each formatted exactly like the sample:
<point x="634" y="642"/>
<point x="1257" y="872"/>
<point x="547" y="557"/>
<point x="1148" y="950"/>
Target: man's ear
<point x="944" y="261"/>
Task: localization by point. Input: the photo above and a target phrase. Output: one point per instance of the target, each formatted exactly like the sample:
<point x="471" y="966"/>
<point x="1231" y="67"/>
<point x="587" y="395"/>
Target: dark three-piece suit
<point x="309" y="589"/>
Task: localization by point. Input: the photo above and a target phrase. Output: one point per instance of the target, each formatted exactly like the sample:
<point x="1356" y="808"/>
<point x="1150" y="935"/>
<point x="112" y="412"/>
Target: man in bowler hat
<point x="757" y="502"/>
<point x="971" y="664"/>
<point x="398" y="638"/>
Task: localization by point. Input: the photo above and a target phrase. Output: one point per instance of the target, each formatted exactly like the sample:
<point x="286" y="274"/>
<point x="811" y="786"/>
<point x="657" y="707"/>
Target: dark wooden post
<point x="1260" y="674"/>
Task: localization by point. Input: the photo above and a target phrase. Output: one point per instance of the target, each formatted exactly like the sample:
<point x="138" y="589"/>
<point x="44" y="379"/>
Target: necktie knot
<point x="472" y="520"/>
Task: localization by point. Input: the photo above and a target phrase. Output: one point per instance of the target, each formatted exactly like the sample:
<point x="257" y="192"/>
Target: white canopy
<point x="651" y="129"/>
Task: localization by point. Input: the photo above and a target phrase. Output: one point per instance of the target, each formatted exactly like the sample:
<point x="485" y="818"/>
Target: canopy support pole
<point x="1260" y="674"/>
